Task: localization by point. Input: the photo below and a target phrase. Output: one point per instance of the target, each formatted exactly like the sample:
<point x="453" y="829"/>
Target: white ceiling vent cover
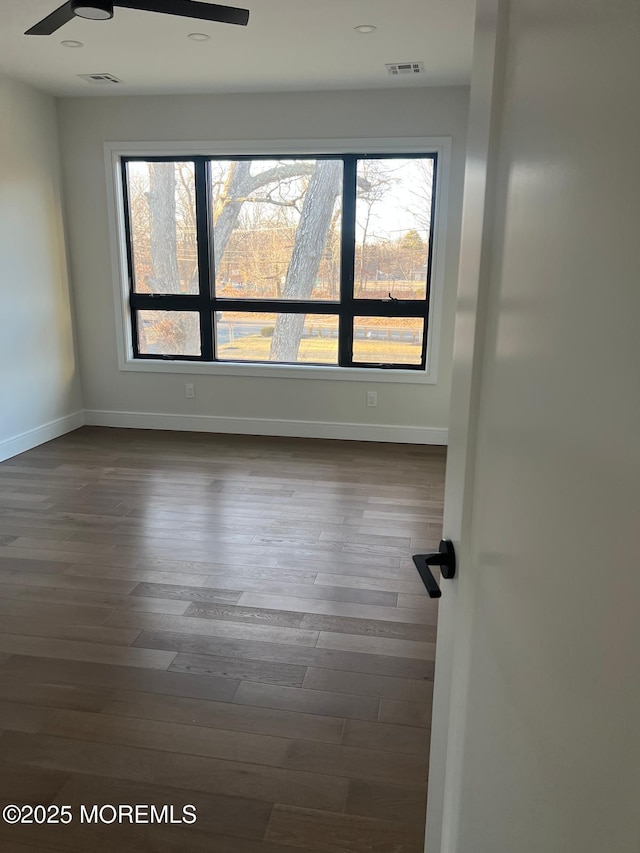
<point x="396" y="69"/>
<point x="100" y="79"/>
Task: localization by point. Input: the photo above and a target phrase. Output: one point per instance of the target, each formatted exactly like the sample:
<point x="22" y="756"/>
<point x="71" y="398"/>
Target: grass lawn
<point x="323" y="350"/>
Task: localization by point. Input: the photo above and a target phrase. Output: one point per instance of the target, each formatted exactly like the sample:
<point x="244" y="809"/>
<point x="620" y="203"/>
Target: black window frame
<point x="207" y="303"/>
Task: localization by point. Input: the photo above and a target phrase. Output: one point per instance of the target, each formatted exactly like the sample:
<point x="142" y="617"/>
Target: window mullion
<point x="205" y="259"/>
<point x="347" y="261"/>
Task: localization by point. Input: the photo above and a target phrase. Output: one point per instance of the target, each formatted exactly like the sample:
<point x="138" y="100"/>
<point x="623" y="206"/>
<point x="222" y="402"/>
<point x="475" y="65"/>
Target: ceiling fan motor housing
<point x="94" y="10"/>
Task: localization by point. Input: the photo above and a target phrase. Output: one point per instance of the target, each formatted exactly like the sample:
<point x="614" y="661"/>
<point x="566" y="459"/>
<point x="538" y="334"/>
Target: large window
<point x="321" y="260"/>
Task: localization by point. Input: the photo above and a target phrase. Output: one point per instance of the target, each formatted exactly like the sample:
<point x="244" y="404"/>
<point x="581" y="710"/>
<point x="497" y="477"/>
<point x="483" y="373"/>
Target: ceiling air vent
<point x="100" y="79"/>
<point x="396" y="69"/>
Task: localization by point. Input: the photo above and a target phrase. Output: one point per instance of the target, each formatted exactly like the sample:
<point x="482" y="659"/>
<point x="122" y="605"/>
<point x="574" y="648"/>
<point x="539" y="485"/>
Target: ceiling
<point x="289" y="45"/>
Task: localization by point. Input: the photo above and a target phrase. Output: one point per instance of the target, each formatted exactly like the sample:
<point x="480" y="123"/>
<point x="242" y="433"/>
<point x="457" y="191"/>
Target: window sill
<point x="280" y="371"/>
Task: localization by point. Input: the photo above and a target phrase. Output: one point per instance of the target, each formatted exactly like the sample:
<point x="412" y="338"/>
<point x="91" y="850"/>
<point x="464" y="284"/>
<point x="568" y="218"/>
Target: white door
<point x="536" y="730"/>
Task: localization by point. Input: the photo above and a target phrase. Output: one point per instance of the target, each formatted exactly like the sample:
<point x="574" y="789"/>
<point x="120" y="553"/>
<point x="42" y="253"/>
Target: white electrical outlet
<point x="372" y="398"/>
<point x="190" y="390"/>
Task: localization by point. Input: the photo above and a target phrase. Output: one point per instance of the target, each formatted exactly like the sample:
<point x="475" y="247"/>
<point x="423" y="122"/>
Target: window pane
<point x="277" y="228"/>
<point x="169" y="332"/>
<point x="162" y="220"/>
<point x="393" y="223"/>
<point x="283" y="338"/>
<point x="388" y="340"/>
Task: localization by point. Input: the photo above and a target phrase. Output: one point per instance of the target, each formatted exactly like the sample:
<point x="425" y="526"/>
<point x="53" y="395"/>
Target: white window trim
<point x="114" y="151"/>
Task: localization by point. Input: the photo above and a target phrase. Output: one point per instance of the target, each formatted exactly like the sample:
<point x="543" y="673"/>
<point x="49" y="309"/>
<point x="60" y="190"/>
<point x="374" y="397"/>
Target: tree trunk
<point x="162" y="208"/>
<point x="228" y="207"/>
<point x="309" y="246"/>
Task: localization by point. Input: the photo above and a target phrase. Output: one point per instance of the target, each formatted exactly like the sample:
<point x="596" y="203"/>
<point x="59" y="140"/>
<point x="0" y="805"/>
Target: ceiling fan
<point x="102" y="10"/>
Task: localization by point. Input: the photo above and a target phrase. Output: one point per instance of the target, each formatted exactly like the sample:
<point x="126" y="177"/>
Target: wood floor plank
<point x="95" y="652"/>
<point x="314" y="830"/>
<point x="171" y="538"/>
<point x="74" y="674"/>
<point x="331" y="608"/>
<point x="361" y="684"/>
<point x="187" y="593"/>
<point x="425" y="604"/>
<point x="239" y="668"/>
<point x="71" y="557"/>
<point x="78" y="697"/>
<point x="19" y="717"/>
<point x="60" y="614"/>
<point x="357" y="763"/>
<point x="20" y="784"/>
<point x="307" y="701"/>
<point x="259" y="573"/>
<point x="9" y="846"/>
<point x="92" y="598"/>
<point x="402" y="804"/>
<point x="15" y="564"/>
<point x="343" y="566"/>
<point x="53" y="629"/>
<point x="204" y="567"/>
<point x="67" y="545"/>
<point x="62" y="581"/>
<point x="370" y="627"/>
<point x="241" y="613"/>
<point x="385" y="736"/>
<point x="377" y="645"/>
<point x="405" y="713"/>
<point x="384" y="584"/>
<point x="138" y="575"/>
<point x="197" y="627"/>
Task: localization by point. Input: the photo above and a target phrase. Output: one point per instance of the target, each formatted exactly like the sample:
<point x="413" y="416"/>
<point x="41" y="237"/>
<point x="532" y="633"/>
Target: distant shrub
<point x="267" y="331"/>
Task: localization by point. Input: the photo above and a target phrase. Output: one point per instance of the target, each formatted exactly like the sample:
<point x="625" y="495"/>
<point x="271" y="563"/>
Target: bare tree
<point x="179" y="332"/>
<point x="373" y="182"/>
<point x="422" y="191"/>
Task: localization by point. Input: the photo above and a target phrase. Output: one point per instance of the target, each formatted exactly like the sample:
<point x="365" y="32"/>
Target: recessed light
<point x="71" y="43"/>
<point x="199" y="37"/>
<point x="365" y="29"/>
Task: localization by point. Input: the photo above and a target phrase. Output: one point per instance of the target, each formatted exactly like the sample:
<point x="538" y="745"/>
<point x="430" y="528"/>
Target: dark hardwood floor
<point x="224" y="621"/>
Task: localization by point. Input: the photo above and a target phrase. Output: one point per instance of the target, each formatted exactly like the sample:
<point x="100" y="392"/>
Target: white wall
<point x="86" y="123"/>
<point x="39" y="383"/>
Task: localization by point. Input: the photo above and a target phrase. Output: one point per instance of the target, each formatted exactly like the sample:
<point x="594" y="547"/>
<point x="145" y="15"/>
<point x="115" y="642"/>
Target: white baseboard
<point x="213" y="423"/>
<point x="268" y="426"/>
<point x="33" y="437"/>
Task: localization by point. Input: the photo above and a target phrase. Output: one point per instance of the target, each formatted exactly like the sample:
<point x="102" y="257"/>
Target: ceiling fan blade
<point x="52" y="22"/>
<point x="190" y="9"/>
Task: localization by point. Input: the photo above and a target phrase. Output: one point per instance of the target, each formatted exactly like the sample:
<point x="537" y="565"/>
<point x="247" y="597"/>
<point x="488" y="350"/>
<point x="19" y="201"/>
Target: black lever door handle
<point x="445" y="557"/>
